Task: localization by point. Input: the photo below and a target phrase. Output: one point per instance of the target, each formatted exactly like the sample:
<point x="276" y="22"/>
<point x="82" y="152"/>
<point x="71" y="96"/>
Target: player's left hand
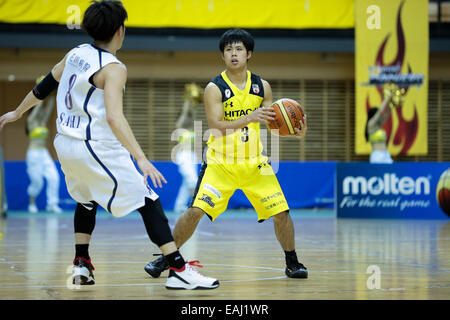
<point x="8" y="117"/>
<point x="300" y="133"/>
<point x="149" y="170"/>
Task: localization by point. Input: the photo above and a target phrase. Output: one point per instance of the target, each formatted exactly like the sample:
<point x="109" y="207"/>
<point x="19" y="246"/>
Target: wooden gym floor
<point x="343" y="256"/>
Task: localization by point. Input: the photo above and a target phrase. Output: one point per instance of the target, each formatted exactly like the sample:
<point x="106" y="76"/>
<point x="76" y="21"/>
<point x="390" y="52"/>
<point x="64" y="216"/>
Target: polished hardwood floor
<point x="347" y="259"/>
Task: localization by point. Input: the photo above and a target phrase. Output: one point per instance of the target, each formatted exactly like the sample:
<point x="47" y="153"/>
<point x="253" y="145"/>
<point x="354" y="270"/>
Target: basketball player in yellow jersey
<point x="236" y="102"/>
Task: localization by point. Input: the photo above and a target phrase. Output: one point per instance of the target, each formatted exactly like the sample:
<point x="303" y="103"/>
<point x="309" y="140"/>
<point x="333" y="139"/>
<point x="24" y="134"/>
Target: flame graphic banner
<point x="391" y="45"/>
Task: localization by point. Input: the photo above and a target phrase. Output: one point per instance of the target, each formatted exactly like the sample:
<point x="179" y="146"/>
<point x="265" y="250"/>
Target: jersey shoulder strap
<point x="223" y="86"/>
<point x="257" y="87"/>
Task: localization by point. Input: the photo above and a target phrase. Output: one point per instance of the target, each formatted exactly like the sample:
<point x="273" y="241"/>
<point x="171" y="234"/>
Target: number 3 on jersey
<point x="244" y="137"/>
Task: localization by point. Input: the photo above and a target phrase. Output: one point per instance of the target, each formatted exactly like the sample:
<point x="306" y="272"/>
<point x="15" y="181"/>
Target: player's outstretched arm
<point x="384" y="110"/>
<point x="30" y="99"/>
<point x="113" y="78"/>
<point x="184" y="116"/>
<point x="382" y="114"/>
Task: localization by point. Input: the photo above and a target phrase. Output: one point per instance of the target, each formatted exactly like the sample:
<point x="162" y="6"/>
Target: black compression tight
<point x="156" y="222"/>
<point x="84" y="220"/>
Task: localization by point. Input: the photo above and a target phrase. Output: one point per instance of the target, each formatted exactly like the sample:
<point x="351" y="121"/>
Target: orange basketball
<point x="289" y="113"/>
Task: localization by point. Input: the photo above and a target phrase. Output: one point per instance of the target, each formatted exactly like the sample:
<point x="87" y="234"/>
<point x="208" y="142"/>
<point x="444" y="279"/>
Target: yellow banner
<point x="391" y="45"/>
<point x="291" y="14"/>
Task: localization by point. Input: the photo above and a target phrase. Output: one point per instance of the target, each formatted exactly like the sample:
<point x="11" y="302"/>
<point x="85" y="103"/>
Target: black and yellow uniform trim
<point x="220" y="82"/>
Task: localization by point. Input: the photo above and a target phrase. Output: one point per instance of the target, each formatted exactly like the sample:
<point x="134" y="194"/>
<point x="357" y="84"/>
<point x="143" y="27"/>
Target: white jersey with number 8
<point x="96" y="166"/>
<point x="81" y="107"/>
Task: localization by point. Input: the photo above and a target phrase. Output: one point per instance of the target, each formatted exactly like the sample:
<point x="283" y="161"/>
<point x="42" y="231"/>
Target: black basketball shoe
<point x="296" y="270"/>
<point x="154" y="268"/>
<point x="82" y="272"/>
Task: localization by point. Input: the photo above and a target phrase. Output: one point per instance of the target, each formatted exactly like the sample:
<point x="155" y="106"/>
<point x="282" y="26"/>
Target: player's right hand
<point x="300" y="133"/>
<point x="263" y="114"/>
<point x="149" y="170"/>
<point x="8" y="117"/>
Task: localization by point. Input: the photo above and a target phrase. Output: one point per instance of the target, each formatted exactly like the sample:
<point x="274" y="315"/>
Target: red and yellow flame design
<point x="407" y="125"/>
<point x="406" y="132"/>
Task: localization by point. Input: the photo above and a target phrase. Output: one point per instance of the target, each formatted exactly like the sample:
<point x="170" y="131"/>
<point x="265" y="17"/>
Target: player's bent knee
<point x="281" y="217"/>
<point x="84" y="219"/>
<point x="195" y="213"/>
<point x="156" y="222"/>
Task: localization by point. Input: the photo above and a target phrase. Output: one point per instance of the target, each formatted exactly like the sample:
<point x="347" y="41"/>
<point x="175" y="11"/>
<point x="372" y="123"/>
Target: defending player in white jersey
<point x="95" y="145"/>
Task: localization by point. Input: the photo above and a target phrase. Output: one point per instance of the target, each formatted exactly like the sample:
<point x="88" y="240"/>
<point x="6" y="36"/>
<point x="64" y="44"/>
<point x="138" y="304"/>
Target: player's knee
<point x="35" y="188"/>
<point x="194" y="213"/>
<point x="156" y="222"/>
<point x="160" y="234"/>
<point x="281" y="217"/>
<point x="52" y="176"/>
<point x="84" y="219"/>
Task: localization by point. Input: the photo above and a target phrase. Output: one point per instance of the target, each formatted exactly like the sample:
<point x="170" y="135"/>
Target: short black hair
<point x="102" y="19"/>
<point x="237" y="35"/>
<point x="370" y="113"/>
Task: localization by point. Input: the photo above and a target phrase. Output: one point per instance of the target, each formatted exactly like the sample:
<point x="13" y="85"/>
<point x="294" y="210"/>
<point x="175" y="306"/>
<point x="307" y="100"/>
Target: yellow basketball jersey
<point x="243" y="144"/>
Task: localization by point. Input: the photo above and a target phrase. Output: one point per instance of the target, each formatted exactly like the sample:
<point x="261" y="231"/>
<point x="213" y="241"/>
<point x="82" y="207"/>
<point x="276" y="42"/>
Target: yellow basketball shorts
<point x="217" y="182"/>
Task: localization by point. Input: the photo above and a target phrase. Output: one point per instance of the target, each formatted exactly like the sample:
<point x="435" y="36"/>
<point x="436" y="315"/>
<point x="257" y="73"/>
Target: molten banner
<point x="392" y="46"/>
<point x="403" y="190"/>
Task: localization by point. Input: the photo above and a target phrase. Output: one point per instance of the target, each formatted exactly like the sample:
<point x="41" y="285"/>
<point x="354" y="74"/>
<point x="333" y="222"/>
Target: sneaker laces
<point x="195" y="263"/>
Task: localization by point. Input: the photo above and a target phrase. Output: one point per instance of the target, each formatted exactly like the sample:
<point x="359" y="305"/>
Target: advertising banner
<point x="392" y="46"/>
<point x="304" y="184"/>
<point x="404" y="190"/>
<point x="289" y="14"/>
